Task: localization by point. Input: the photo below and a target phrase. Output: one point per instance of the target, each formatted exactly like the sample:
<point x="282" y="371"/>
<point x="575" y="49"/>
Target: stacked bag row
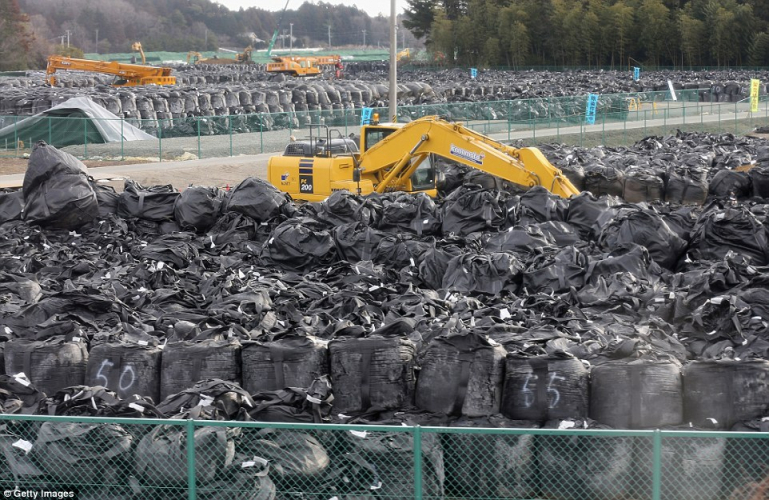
<point x="684" y="169"/>
<point x="393" y="368"/>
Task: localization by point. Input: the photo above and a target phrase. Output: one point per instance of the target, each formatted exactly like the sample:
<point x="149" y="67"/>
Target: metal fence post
<point x="603" y="128"/>
<point x="85" y="138"/>
<point x="122" y="140"/>
<point x="197" y="122"/>
<point x="49" y="131"/>
<point x="191" y="486"/>
<point x="657" y="466"/>
<point x="509" y="120"/>
<point x="160" y="143"/>
<point x="417" y="463"/>
<point x="261" y="132"/>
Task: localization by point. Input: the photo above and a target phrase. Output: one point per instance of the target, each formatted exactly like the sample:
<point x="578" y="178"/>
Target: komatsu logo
<point x="284" y="177"/>
<point x="476" y="158"/>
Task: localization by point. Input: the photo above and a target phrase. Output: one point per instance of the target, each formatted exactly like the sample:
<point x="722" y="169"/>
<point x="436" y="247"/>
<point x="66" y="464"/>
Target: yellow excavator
<point x="194" y="56"/>
<point x="126" y="75"/>
<point x="399" y="157"/>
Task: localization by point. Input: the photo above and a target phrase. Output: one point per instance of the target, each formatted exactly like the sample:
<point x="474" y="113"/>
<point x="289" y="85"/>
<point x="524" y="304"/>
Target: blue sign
<point x="636" y="73"/>
<point x="473" y="72"/>
<point x="365" y="116"/>
<point x="592" y="103"/>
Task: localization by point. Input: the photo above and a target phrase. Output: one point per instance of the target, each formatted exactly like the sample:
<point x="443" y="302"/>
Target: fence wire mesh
<point x="90" y="458"/>
<point x="621" y="119"/>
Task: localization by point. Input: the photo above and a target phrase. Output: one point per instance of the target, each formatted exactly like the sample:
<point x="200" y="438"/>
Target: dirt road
<point x="210" y="172"/>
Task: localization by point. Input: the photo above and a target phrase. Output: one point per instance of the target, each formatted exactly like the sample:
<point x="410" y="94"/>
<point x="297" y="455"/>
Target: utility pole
<point x="291" y="38"/>
<point x="396" y="38"/>
<point x="283" y="39"/>
<point x="205" y="44"/>
<point x="97" y="41"/>
<point x="68" y="33"/>
<point x="329" y="36"/>
<point x="364" y="37"/>
<point x="393" y="66"/>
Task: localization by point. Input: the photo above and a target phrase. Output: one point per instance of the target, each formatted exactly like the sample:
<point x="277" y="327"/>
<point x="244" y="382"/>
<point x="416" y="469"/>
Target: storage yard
<point x="525" y="345"/>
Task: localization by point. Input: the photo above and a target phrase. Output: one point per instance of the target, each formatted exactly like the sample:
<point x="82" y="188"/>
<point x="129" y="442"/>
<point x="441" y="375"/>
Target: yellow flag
<point x="754" y="84"/>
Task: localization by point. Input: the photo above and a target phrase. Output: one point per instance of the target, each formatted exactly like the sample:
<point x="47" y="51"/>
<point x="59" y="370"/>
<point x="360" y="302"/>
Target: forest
<point x="30" y="30"/>
<point x="594" y="33"/>
<point x="480" y="33"/>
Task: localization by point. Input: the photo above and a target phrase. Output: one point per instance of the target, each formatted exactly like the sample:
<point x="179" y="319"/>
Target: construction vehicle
<point x="137" y="47"/>
<point x="293" y="65"/>
<point x="403" y="55"/>
<point x="245" y="56"/>
<point x="240" y="58"/>
<point x="194" y="56"/>
<point x="401" y="157"/>
<point x="126" y="75"/>
<point x="304" y="65"/>
<point x="277" y="29"/>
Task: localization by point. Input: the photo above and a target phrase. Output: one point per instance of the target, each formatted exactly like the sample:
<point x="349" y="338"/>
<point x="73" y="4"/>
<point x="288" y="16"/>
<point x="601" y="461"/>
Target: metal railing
<point x="621" y="119"/>
<point x="154" y="459"/>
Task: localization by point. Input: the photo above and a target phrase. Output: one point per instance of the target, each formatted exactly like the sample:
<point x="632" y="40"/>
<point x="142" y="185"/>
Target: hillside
<point x="111" y="26"/>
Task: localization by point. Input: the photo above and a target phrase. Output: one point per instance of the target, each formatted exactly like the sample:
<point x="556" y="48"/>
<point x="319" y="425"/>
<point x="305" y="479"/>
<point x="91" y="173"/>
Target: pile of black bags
<point x="482" y="308"/>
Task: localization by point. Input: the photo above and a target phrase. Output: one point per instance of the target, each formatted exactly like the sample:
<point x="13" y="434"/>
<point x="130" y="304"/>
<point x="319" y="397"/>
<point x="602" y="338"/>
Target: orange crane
<point x="126" y="75"/>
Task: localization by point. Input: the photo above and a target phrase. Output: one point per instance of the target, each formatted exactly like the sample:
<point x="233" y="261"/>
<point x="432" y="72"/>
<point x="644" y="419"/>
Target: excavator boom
<point x="129" y="75"/>
<point x="527" y="167"/>
<point x="277" y="29"/>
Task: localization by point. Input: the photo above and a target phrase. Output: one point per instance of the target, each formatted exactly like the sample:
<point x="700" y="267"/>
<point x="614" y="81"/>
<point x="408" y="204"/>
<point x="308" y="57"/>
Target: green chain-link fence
<point x="621" y="119"/>
<point x="175" y="459"/>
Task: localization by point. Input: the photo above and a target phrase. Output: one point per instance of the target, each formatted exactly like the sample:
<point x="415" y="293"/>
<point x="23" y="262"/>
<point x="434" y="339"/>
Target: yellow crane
<point x="126" y="75"/>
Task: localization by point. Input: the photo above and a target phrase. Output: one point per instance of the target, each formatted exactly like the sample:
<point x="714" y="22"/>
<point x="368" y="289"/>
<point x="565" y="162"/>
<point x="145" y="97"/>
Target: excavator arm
<point x="398" y="155"/>
<point x="129" y="74"/>
<point x="137" y="47"/>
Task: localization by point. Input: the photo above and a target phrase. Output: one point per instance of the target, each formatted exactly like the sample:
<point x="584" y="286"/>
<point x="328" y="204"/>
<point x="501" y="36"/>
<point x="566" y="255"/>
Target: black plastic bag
<point x="11" y="205"/>
<point x="257" y="199"/>
<point x="81" y="454"/>
<point x="647" y="229"/>
<point x="483" y="273"/>
<point x="299" y="244"/>
<point x="56" y="189"/>
<point x="154" y="203"/>
<point x="471" y="208"/>
<point x="198" y="208"/>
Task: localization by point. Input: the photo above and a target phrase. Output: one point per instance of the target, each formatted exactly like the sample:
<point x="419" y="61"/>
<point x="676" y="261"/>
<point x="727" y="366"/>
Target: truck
<point x="126" y="75"/>
<point x="401" y="157"/>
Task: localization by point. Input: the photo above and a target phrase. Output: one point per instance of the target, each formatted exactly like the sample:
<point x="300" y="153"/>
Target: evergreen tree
<point x="15" y="39"/>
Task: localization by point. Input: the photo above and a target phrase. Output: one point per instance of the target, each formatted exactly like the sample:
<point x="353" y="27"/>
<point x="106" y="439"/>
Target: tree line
<point x="594" y="33"/>
<point x="75" y="27"/>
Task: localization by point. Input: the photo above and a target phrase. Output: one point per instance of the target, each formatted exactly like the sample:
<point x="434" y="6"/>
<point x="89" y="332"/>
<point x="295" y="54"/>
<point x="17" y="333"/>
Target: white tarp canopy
<point x="76" y="121"/>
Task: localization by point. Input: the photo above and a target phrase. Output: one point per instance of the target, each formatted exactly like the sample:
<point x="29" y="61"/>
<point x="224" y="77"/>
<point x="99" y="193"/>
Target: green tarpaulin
<point x="76" y="121"/>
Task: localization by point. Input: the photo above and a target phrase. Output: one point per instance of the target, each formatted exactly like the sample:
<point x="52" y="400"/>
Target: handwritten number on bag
<point x="127" y="375"/>
<point x="554" y="396"/>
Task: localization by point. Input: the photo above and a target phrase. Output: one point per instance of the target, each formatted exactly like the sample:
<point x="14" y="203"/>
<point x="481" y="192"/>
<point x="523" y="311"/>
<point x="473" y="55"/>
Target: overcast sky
<point x="371" y="7"/>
